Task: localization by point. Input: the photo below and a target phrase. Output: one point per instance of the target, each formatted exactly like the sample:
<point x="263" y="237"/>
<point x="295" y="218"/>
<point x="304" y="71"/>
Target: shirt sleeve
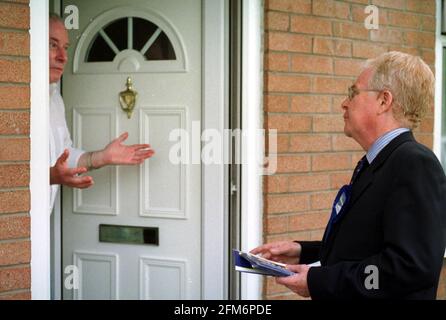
<point x="75" y="153"/>
<point x="73" y="159"/>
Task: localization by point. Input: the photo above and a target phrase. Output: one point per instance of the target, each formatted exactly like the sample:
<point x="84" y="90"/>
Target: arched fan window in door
<point x="130" y="40"/>
<point x="130" y="33"/>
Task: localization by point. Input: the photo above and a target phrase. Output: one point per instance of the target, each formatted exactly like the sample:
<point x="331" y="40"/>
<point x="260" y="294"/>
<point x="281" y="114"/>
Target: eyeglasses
<point x="353" y="91"/>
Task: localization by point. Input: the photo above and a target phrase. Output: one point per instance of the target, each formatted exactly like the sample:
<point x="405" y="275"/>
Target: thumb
<point x="123" y="137"/>
<point x="277" y="251"/>
<point x="64" y="156"/>
<point x="295" y="267"/>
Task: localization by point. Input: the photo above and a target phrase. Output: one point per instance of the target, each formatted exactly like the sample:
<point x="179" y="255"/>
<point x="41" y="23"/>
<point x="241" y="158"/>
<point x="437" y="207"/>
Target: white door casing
<point x="156" y="194"/>
<point x="39" y="149"/>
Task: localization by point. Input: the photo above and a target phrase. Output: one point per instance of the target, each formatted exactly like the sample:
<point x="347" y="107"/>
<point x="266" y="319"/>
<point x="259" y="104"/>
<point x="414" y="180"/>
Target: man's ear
<point x="385" y="100"/>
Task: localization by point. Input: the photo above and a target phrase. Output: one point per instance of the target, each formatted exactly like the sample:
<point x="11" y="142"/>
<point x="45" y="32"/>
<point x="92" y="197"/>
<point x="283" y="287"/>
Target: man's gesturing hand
<point x="62" y="174"/>
<point x="118" y="153"/>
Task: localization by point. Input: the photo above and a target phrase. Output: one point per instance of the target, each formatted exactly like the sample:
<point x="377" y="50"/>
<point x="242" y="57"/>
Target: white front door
<point x="158" y="44"/>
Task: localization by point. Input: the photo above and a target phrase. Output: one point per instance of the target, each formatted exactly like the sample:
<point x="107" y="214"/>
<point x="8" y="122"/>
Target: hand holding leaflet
<point x="248" y="262"/>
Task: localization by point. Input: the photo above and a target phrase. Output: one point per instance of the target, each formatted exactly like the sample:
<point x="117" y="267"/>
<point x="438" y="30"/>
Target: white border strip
<point x="39" y="179"/>
<point x="252" y="88"/>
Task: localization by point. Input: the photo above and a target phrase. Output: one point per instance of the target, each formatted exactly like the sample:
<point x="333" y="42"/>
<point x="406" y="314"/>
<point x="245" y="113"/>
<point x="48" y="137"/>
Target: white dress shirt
<point x="59" y="136"/>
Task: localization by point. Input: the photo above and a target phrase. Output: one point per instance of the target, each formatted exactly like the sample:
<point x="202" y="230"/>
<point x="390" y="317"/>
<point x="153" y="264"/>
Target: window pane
<point x="117" y="32"/>
<point x="161" y="49"/>
<point x="100" y="51"/>
<point x="142" y="31"/>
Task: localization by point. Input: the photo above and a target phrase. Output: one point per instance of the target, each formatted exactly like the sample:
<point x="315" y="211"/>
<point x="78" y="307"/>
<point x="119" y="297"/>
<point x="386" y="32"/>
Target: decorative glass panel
<point x="100" y="51"/>
<point x="117" y="31"/>
<point x="161" y="48"/>
<point x="130" y="33"/>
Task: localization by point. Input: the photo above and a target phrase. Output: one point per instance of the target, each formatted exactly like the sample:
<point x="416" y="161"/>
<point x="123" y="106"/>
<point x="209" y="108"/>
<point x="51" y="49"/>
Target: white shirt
<point x="59" y="136"/>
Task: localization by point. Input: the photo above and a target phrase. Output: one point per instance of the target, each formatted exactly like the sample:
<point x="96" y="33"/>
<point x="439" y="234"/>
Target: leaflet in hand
<point x="248" y="262"/>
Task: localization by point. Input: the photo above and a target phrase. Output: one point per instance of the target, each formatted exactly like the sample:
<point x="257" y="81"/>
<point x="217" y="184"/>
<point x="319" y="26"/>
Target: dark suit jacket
<point x="395" y="221"/>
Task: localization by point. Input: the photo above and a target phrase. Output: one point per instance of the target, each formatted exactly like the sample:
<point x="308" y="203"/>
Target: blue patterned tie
<point x="343" y="197"/>
<point x="362" y="164"/>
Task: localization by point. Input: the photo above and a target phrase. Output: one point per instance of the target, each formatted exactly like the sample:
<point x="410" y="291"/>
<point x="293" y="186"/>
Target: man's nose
<point x="62" y="55"/>
<point x="344" y="104"/>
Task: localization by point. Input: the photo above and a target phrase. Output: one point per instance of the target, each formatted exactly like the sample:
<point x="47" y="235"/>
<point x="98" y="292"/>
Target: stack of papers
<point x="248" y="262"/>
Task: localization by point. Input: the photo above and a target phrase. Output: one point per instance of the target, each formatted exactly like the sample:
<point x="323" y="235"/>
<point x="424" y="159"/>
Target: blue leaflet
<point x="247" y="262"/>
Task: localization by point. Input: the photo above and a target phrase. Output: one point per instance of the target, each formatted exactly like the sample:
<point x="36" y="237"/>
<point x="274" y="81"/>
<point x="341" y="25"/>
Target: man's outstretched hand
<point x="62" y="174"/>
<point x="116" y="153"/>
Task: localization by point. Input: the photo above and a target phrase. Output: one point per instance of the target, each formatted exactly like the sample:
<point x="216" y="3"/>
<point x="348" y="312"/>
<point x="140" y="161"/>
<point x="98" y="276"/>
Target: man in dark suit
<point x="386" y="235"/>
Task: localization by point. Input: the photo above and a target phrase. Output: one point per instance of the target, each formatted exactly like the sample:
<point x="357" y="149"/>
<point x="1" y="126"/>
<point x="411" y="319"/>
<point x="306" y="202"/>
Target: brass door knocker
<point x="127" y="98"/>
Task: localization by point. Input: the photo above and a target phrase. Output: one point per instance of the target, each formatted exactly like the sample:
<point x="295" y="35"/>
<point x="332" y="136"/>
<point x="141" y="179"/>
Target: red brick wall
<point x="15" y="247"/>
<point x="313" y="52"/>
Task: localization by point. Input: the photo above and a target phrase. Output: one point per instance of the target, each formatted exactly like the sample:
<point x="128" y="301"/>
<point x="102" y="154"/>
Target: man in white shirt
<point x="68" y="163"/>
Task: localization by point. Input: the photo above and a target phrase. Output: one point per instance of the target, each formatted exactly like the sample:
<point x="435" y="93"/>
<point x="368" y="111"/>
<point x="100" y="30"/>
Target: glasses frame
<point x="353" y="91"/>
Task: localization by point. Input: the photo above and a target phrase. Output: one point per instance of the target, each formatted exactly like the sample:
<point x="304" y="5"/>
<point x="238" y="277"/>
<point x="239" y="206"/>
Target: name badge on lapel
<point x="340" y="204"/>
<point x="341" y="201"/>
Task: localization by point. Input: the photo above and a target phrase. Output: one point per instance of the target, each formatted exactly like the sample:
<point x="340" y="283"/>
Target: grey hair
<point x="411" y="82"/>
<point x="55" y="17"/>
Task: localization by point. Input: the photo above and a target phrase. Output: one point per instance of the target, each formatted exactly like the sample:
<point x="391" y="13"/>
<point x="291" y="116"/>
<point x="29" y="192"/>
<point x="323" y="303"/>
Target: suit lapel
<point x="367" y="177"/>
<point x="361" y="185"/>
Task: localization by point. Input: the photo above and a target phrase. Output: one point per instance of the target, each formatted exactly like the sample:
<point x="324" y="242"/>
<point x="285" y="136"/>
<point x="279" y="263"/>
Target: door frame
<point x="252" y="122"/>
<point x="215" y="105"/>
<point x="39" y="157"/>
<point x="214" y="177"/>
